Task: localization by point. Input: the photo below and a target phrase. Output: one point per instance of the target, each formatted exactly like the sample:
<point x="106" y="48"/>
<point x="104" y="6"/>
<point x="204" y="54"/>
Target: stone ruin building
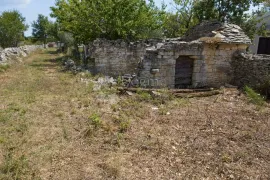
<point x="202" y="58"/>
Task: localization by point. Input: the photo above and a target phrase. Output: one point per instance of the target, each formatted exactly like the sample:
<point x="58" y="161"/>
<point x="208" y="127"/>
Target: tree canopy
<point x="12" y="27"/>
<point x="224" y="10"/>
<point x="111" y="19"/>
<point x="43" y="28"/>
<point x="138" y="19"/>
<point x="191" y="12"/>
<point x="231" y="11"/>
<point x="176" y="23"/>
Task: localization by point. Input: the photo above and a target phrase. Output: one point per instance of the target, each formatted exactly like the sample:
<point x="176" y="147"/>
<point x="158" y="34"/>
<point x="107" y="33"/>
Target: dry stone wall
<point x="158" y="66"/>
<point x="202" y="58"/>
<point x="155" y="62"/>
<point x="249" y="69"/>
<point x="16" y="53"/>
<point x="114" y="58"/>
<point x="211" y="64"/>
<point x="217" y="63"/>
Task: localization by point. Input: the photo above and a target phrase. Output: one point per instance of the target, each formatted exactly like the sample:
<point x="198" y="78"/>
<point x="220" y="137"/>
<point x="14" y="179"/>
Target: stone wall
<point x="202" y="58"/>
<point x="114" y="58"/>
<point x="252" y="70"/>
<point x="155" y="62"/>
<point x="16" y="53"/>
<point x="158" y="66"/>
<point x="217" y="63"/>
<point x="211" y="65"/>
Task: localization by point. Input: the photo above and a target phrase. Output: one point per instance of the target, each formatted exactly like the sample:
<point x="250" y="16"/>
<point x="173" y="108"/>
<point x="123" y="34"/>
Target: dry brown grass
<point x="53" y="126"/>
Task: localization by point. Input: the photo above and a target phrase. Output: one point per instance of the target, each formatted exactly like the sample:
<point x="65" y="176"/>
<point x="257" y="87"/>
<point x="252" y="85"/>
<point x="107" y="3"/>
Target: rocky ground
<point x="56" y="125"/>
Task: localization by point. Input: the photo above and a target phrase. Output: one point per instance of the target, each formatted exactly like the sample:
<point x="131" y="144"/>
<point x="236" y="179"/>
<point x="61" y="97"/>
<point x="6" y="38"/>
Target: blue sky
<point x="31" y="8"/>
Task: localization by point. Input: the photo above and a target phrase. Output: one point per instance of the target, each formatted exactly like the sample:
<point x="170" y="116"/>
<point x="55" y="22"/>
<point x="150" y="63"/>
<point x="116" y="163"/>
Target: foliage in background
<point x="44" y="29"/>
<point x="176" y="24"/>
<point x="66" y="38"/>
<point x="191" y="12"/>
<point x="232" y="11"/>
<point x="136" y="19"/>
<point x="12" y="27"/>
<point x="88" y="20"/>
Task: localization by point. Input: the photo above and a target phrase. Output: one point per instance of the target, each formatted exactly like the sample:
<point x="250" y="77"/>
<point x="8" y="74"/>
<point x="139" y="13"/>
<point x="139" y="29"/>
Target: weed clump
<point x="13" y="168"/>
<point x="4" y="67"/>
<point x="254" y="97"/>
<point x="144" y="96"/>
<point x="95" y="120"/>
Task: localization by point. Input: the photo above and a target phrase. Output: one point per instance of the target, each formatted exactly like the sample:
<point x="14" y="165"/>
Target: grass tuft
<point x="254" y="97"/>
<point x="4" y="67"/>
<point x="13" y="168"/>
<point x="95" y="120"/>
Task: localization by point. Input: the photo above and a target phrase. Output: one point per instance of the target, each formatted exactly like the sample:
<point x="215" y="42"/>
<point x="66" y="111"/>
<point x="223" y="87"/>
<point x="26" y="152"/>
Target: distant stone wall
<point x="16" y="53"/>
<point x="252" y="70"/>
<point x="114" y="58"/>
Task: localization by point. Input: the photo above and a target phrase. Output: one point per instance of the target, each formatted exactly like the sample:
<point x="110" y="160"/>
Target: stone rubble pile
<point x="17" y="52"/>
<point x="100" y="82"/>
<point x="70" y="65"/>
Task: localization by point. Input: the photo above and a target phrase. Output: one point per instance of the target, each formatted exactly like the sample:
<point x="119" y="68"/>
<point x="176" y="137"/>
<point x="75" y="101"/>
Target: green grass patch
<point x="95" y="120"/>
<point x="4" y="67"/>
<point x="254" y="97"/>
<point x="13" y="168"/>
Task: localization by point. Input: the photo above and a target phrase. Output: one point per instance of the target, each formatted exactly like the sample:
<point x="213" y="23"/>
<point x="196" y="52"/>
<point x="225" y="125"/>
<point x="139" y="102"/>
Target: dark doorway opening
<point x="264" y="45"/>
<point x="183" y="72"/>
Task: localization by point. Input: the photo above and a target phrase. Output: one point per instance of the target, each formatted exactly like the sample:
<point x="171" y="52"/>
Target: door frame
<point x="192" y="71"/>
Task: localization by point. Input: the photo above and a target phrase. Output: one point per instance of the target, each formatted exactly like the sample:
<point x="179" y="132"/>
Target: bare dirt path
<point x="54" y="126"/>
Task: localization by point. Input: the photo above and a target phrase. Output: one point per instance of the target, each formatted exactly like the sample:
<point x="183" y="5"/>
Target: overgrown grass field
<point x="54" y="125"/>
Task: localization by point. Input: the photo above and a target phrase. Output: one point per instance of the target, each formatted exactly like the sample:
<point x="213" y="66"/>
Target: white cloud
<point x="14" y="2"/>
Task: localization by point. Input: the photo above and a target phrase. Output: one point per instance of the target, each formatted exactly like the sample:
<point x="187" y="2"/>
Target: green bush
<point x="253" y="96"/>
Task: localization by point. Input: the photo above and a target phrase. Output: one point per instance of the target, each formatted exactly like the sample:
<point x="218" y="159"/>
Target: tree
<point x="111" y="19"/>
<point x="231" y="11"/>
<point x="12" y="28"/>
<point x="177" y="23"/>
<point x="43" y="28"/>
<point x="224" y="10"/>
<point x="53" y="31"/>
<point x="191" y="12"/>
